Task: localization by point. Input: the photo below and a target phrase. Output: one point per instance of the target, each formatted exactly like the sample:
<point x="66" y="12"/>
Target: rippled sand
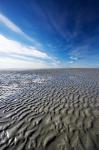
<point x="49" y="110"/>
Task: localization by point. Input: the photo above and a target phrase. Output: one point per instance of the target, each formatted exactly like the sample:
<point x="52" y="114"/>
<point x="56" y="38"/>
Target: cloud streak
<point x="11" y="47"/>
<point x="14" y="54"/>
<point x="12" y="63"/>
<point x="8" y="23"/>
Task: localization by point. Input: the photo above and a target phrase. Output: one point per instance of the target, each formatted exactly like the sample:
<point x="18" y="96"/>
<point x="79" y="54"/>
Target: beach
<point x="49" y="109"/>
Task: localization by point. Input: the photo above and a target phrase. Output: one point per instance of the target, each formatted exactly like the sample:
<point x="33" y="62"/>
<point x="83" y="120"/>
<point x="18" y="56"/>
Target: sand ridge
<point x="49" y="110"/>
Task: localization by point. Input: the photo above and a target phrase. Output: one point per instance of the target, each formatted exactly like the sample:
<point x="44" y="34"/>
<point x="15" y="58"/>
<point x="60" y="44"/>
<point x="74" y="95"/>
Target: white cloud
<point x="71" y="62"/>
<point x="75" y="53"/>
<point x="16" y="55"/>
<point x="11" y="63"/>
<point x="8" y="23"/>
<point x="11" y="47"/>
<point x="79" y="51"/>
<point x="73" y="58"/>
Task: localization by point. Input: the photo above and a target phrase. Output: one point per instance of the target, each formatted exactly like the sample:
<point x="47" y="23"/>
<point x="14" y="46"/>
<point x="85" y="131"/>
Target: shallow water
<point x="49" y="109"/>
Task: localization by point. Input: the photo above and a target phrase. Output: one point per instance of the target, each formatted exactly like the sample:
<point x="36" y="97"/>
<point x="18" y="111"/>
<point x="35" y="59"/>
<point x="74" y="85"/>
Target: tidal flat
<point x="51" y="109"/>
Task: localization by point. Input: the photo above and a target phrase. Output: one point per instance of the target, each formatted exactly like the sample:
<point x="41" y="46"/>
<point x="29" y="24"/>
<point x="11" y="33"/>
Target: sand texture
<point x="54" y="109"/>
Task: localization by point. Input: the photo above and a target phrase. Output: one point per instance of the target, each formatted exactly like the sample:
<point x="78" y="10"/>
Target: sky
<point x="49" y="34"/>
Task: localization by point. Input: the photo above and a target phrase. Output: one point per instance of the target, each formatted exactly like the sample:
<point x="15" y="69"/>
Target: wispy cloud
<point x="82" y="56"/>
<point x="8" y="23"/>
<point x="11" y="47"/>
<point x="14" y="54"/>
<point x="12" y="63"/>
<point x="74" y="56"/>
<point x="79" y="53"/>
<point x="71" y="62"/>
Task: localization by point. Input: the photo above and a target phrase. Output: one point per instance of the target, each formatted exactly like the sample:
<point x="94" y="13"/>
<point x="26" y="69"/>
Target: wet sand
<point x="49" y="109"/>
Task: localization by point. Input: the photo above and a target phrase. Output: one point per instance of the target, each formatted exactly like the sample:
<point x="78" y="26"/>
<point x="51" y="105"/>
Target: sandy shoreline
<point x="49" y="110"/>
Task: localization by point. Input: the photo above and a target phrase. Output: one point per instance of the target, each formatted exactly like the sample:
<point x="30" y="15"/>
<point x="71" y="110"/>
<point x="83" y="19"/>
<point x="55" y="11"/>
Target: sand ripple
<point x="49" y="110"/>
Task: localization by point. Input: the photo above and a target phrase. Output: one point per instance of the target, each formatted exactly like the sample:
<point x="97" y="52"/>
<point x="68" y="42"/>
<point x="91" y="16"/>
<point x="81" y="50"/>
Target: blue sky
<point x="49" y="33"/>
